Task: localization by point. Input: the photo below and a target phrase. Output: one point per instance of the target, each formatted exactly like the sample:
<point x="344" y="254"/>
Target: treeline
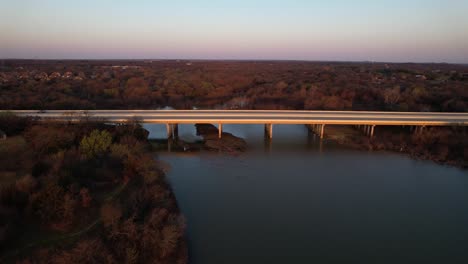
<point x="84" y="193"/>
<point x="233" y="85"/>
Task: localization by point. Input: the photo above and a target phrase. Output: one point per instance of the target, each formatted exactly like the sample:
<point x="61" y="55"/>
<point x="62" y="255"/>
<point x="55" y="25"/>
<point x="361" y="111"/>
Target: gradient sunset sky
<point x="344" y="30"/>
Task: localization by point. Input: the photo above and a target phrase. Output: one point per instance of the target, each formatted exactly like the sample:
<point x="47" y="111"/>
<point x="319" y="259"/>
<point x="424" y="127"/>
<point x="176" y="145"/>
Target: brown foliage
<point x="85" y="197"/>
<point x="49" y="139"/>
<point x="48" y="202"/>
<point x="268" y="85"/>
<point x="26" y="184"/>
<point x="110" y="214"/>
<point x="86" y="251"/>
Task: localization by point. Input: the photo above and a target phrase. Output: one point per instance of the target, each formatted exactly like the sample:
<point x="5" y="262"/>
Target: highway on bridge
<point x="316" y="120"/>
<point x="256" y="116"/>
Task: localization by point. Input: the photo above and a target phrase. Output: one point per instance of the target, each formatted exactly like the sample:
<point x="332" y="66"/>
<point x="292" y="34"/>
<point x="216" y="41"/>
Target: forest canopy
<point x="233" y="85"/>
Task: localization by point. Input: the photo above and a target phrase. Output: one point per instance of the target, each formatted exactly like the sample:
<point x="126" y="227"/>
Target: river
<point x="297" y="200"/>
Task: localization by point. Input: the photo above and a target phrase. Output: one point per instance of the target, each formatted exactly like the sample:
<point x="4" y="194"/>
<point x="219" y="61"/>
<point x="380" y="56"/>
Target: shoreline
<point x="352" y="138"/>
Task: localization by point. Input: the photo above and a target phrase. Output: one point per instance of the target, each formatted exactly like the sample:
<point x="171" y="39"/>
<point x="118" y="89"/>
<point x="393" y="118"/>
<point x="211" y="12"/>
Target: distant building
<point x="55" y="75"/>
<point x="67" y="75"/>
<point x="42" y="76"/>
<point x="23" y="75"/>
<point x="124" y="67"/>
<point x="3" y="78"/>
<point x="82" y="75"/>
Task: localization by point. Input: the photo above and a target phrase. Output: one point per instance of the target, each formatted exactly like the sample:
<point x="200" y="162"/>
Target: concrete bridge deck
<point x="316" y="119"/>
<point x="257" y="116"/>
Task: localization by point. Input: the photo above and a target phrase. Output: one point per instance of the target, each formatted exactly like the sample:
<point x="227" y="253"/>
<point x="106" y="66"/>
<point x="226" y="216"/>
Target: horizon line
<point x="233" y="60"/>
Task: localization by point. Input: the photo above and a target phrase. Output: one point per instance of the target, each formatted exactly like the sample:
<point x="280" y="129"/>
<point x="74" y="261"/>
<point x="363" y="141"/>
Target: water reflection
<point x="295" y="137"/>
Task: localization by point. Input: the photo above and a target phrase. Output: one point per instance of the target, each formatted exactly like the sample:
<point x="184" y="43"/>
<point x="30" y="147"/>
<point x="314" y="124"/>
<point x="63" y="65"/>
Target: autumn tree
<point x="96" y="143"/>
<point x="137" y="92"/>
<point x="392" y="96"/>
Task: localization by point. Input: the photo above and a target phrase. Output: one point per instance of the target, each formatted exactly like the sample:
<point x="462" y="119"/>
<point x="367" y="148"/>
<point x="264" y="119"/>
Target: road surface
<point x="254" y="117"/>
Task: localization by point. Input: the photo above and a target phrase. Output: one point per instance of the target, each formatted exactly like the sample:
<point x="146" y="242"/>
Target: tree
<point x="392" y="96"/>
<point x="137" y="92"/>
<point x="85" y="197"/>
<point x="49" y="139"/>
<point x="48" y="203"/>
<point x="96" y="143"/>
<point x="68" y="210"/>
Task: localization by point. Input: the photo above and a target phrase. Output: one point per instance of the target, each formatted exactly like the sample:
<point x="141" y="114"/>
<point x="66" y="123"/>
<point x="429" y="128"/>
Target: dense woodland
<point x="84" y="193"/>
<point x="232" y="85"/>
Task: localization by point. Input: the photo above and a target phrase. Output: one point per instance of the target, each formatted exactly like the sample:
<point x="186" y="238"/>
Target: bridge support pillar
<point x="269" y="130"/>
<point x="220" y="130"/>
<point x="175" y="131"/>
<point x="418" y="129"/>
<point x="169" y="130"/>
<point x="172" y="130"/>
<point x="318" y="129"/>
<point x="372" y="131"/>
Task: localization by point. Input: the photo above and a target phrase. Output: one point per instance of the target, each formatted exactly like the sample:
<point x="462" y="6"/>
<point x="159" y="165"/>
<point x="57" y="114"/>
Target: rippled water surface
<point x="296" y="200"/>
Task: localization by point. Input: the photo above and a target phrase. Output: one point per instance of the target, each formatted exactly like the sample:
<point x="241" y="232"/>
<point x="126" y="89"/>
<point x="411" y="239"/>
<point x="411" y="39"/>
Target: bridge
<point x="316" y="120"/>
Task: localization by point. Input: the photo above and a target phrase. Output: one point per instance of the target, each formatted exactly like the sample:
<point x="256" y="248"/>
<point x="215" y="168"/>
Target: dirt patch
<point x="227" y="143"/>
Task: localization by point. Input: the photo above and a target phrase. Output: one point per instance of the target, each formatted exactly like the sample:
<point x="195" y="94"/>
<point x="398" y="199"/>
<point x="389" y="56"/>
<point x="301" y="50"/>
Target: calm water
<point x="295" y="201"/>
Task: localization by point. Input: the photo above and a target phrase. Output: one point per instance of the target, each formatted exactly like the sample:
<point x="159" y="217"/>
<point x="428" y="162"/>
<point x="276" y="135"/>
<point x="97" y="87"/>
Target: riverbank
<point x="445" y="146"/>
<point x="227" y="143"/>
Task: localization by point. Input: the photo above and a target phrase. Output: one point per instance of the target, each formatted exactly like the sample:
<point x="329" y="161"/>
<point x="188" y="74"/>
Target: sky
<point x="332" y="30"/>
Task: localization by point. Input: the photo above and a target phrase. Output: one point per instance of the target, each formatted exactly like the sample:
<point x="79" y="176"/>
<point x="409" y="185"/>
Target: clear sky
<point x="345" y="30"/>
